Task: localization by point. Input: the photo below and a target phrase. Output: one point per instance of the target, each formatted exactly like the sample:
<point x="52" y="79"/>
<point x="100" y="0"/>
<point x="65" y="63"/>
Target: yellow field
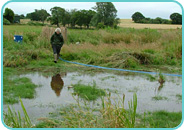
<point x="128" y="23"/>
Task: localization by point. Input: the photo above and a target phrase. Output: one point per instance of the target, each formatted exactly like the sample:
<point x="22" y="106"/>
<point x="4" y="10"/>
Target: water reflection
<point x="57" y="84"/>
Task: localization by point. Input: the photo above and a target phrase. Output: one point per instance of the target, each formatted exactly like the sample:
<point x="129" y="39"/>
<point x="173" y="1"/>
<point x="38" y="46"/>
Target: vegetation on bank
<point x="108" y="115"/>
<point x="139" y="49"/>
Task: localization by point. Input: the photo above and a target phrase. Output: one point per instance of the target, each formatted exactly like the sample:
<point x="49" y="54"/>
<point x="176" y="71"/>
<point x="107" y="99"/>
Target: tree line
<point x="102" y="15"/>
<point x="138" y="17"/>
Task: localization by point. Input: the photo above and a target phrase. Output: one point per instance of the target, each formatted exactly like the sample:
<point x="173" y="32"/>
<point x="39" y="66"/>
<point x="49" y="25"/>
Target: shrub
<point x="6" y="22"/>
<point x="149" y="36"/>
<point x="100" y="26"/>
<point x="31" y="23"/>
<point x="31" y="36"/>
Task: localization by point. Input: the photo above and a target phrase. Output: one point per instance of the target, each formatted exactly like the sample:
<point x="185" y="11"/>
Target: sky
<point x="125" y="9"/>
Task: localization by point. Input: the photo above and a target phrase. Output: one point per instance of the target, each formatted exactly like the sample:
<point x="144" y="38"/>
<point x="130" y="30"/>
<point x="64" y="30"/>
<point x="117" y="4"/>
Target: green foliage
<point x="13" y="119"/>
<point x="179" y="96"/>
<point x="149" y="35"/>
<point x="176" y="18"/>
<point x="58" y="14"/>
<point x="150" y="51"/>
<point x="131" y="63"/>
<point x="161" y="119"/>
<point x="38" y="15"/>
<point x="16" y="87"/>
<point x="6" y="22"/>
<point x="157" y="98"/>
<point x="83" y="17"/>
<point x="137" y="16"/>
<point x="88" y="92"/>
<point x="83" y="116"/>
<point x="106" y="14"/>
<point x="128" y="43"/>
<point x="9" y="15"/>
<point x="100" y="25"/>
<point x="31" y="23"/>
<point x="151" y="78"/>
<point x="161" y="78"/>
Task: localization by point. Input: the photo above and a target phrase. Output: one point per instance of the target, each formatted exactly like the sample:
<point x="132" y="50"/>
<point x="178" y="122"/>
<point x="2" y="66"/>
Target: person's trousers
<point x="56" y="49"/>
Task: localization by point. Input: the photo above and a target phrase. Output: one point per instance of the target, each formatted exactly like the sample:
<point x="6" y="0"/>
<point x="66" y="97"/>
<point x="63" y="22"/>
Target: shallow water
<point x="54" y="92"/>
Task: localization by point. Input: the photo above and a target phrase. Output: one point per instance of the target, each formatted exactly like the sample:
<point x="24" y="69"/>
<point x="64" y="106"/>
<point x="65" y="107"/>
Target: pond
<point x="56" y="91"/>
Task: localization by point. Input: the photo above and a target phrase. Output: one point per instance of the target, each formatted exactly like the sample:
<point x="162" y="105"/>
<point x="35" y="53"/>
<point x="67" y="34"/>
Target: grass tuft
<point x="88" y="92"/>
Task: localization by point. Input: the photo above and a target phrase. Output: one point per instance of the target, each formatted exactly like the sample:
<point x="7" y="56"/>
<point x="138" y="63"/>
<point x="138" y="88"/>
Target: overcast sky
<point x="125" y="9"/>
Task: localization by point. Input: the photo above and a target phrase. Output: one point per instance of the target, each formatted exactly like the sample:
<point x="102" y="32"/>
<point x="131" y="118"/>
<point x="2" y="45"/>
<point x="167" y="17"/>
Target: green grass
<point x="108" y="115"/>
<point x="14" y="87"/>
<point x="108" y="77"/>
<point x="158" y="97"/>
<point x="151" y="78"/>
<point x="160" y="119"/>
<point x="179" y="96"/>
<point x="145" y="49"/>
<point x="13" y="119"/>
<point x="88" y="92"/>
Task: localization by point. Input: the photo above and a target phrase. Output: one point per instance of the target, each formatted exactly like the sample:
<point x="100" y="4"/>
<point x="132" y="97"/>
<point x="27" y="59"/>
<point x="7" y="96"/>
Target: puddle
<point x="55" y="91"/>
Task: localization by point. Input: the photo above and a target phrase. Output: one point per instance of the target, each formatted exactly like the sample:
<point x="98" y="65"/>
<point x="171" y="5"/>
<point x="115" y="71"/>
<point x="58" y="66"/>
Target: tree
<point x="73" y="17"/>
<point x="106" y="13"/>
<point x="58" y="14"/>
<point x="79" y="17"/>
<point x="66" y="18"/>
<point x="5" y="22"/>
<point x="9" y="15"/>
<point x="33" y="15"/>
<point x="137" y="17"/>
<point x="88" y="15"/>
<point x="42" y="14"/>
<point x="176" y="18"/>
<point x="22" y="16"/>
<point x="38" y="15"/>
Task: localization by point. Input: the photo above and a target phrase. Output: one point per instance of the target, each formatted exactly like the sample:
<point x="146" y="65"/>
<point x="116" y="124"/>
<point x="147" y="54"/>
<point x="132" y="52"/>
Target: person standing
<point x="57" y="42"/>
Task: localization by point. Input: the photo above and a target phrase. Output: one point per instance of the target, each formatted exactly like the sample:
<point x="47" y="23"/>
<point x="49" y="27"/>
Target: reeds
<point x="108" y="115"/>
<point x="13" y="119"/>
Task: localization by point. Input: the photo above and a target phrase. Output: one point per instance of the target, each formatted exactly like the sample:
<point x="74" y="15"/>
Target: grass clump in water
<point x="14" y="87"/>
<point x="157" y="98"/>
<point x="151" y="78"/>
<point x="179" y="96"/>
<point x="88" y="92"/>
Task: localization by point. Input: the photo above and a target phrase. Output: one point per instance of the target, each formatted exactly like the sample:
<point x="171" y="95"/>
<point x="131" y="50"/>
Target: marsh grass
<point x="158" y="97"/>
<point x="151" y="78"/>
<point x="161" y="79"/>
<point x="88" y="92"/>
<point x="160" y="119"/>
<point x="14" y="87"/>
<point x="13" y="119"/>
<point x="108" y="115"/>
<point x="98" y="47"/>
<point x="179" y="96"/>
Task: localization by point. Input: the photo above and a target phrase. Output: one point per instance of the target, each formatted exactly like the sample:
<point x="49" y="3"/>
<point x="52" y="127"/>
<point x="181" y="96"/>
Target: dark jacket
<point x="57" y="39"/>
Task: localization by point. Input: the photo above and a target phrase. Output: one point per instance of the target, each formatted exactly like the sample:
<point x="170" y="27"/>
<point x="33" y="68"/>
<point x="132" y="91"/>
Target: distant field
<point x="128" y="23"/>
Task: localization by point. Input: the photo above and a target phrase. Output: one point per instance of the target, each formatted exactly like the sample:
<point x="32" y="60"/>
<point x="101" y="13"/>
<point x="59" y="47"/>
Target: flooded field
<point x="56" y="92"/>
